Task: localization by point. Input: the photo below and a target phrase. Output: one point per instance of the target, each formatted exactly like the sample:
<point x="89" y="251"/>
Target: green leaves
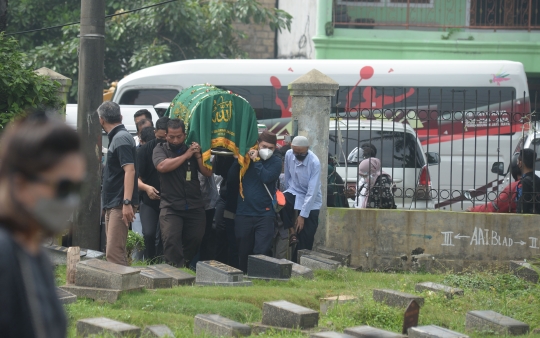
<point x="21" y="88"/>
<point x="185" y="29"/>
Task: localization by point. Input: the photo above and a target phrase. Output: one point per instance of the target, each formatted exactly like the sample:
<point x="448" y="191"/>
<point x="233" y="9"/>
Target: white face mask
<point x="265" y="153"/>
<point x="54" y="213"/>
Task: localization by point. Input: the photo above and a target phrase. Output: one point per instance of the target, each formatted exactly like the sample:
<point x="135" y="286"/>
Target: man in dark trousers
<point x="255" y="215"/>
<point x="528" y="195"/>
<point x="149" y="189"/>
<point x="182" y="216"/>
<point x="119" y="194"/>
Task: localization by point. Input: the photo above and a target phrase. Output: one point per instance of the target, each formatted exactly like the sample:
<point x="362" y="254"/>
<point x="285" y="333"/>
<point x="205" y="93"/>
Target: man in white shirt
<point x="303" y="193"/>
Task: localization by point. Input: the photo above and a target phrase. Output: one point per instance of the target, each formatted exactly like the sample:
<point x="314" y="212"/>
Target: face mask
<point x="161" y="141"/>
<point x="301" y="157"/>
<point x="175" y="147"/>
<point x="265" y="154"/>
<point x="54" y="213"/>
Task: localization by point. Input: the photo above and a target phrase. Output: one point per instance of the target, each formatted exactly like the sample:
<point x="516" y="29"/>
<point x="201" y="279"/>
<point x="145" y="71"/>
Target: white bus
<point x="470" y="112"/>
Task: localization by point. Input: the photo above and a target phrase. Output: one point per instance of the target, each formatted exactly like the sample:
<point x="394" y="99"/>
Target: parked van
<point x="470" y="112"/>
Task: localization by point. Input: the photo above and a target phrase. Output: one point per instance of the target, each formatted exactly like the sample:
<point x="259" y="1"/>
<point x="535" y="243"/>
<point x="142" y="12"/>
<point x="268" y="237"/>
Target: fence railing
<point x="444" y="148"/>
<point x="434" y="14"/>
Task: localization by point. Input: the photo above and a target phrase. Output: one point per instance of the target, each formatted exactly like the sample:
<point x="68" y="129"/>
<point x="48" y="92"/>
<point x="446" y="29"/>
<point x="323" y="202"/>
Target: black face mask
<point x="300" y="157"/>
<point x="176" y="147"/>
<point x="161" y="141"/>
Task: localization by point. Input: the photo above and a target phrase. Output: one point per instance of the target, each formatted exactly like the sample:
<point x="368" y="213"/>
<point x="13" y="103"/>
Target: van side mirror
<point x="433" y="158"/>
<point x="498" y="168"/>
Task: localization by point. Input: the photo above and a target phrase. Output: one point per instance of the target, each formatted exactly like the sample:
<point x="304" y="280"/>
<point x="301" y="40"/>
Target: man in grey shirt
<point x="119" y="195"/>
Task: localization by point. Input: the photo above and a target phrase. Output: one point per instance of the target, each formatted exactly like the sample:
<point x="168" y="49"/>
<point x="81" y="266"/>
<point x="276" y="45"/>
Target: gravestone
<point x="395" y="298"/>
<point x="65" y="297"/>
<point x="330" y="334"/>
<point x="106" y="326"/>
<point x="101" y="274"/>
<point x="329" y="302"/>
<point x="105" y="295"/>
<point x="285" y="314"/>
<point x="307" y="252"/>
<point x="366" y="331"/>
<point x="157" y="331"/>
<point x="153" y="279"/>
<point x="300" y="270"/>
<point x="448" y="291"/>
<point x="73" y="256"/>
<point x="216" y="325"/>
<point x="91" y="254"/>
<point x="214" y="273"/>
<point x="338" y="255"/>
<point x="434" y="331"/>
<point x="494" y="322"/>
<point x="179" y="277"/>
<point x="410" y="319"/>
<point x="318" y="263"/>
<point x="58" y="254"/>
<point x="524" y="270"/>
<point x="261" y="266"/>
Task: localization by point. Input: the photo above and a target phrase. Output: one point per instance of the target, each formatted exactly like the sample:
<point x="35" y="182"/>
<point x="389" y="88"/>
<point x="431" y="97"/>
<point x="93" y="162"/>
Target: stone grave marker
<point x="58" y="254"/>
<point x="524" y="270"/>
<point x="434" y="331"/>
<point x="330" y="334"/>
<point x="329" y="302"/>
<point x="311" y="253"/>
<point x="65" y="297"/>
<point x="153" y="279"/>
<point x="366" y="331"/>
<point x="216" y="325"/>
<point x="285" y="314"/>
<point x="214" y="273"/>
<point x="157" y="331"/>
<point x="300" y="270"/>
<point x="179" y="277"/>
<point x="105" y="295"/>
<point x="495" y="322"/>
<point x="91" y="254"/>
<point x="448" y="291"/>
<point x="339" y="255"/>
<point x="395" y="298"/>
<point x="106" y="326"/>
<point x="318" y="263"/>
<point x="264" y="267"/>
<point x="72" y="258"/>
<point x="410" y="319"/>
<point x="101" y="274"/>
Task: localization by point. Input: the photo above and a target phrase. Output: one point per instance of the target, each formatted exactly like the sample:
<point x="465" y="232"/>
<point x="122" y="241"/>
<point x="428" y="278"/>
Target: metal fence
<point x="425" y="14"/>
<point x="444" y="148"/>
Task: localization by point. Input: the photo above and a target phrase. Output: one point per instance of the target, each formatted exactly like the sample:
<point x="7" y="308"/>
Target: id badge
<point x="188" y="176"/>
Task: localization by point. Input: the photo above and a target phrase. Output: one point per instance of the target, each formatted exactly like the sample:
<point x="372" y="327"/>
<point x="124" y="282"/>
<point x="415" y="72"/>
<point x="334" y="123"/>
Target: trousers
<point x="254" y="236"/>
<point x="151" y="231"/>
<point x="182" y="232"/>
<point x="116" y="231"/>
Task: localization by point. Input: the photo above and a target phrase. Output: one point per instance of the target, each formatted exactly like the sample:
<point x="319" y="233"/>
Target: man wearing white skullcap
<point x="303" y="193"/>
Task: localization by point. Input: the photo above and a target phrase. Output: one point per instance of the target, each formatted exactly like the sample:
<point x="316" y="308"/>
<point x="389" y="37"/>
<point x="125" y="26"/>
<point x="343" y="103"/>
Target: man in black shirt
<point x="182" y="216"/>
<point x="150" y="187"/>
<point x="528" y="195"/>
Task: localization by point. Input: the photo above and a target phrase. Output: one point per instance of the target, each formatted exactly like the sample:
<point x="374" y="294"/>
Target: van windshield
<point x="147" y="97"/>
<point x="395" y="149"/>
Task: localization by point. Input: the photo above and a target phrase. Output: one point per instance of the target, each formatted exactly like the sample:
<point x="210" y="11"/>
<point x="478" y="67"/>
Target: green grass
<point x="177" y="307"/>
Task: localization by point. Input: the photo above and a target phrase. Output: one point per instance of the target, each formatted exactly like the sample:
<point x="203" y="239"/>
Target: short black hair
<point x="175" y="124"/>
<point x="145" y="112"/>
<point x="142" y="123"/>
<point x="369" y="150"/>
<point x="161" y="123"/>
<point x="147" y="134"/>
<point x="527" y="156"/>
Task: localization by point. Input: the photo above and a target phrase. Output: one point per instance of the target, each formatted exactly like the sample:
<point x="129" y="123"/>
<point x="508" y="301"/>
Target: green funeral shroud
<point x="216" y="118"/>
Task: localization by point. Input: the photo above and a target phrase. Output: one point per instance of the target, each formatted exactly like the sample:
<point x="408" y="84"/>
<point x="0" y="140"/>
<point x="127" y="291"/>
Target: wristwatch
<point x="127" y="202"/>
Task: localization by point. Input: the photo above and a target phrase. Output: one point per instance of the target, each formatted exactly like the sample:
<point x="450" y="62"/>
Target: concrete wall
<point x="298" y="43"/>
<point x="261" y="40"/>
<point x="383" y="239"/>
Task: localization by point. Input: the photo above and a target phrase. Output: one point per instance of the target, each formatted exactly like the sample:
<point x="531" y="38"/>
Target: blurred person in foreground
<point x="506" y="201"/>
<point x="41" y="171"/>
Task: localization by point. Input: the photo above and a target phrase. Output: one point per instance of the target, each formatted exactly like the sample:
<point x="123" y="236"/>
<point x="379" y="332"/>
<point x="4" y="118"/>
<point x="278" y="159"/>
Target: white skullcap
<point x="300" y="141"/>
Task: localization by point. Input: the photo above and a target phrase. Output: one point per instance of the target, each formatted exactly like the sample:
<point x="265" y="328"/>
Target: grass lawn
<point x="177" y="307"/>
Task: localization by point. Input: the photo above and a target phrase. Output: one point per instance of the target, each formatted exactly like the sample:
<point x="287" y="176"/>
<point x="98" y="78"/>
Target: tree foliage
<point x="180" y="30"/>
<point x="20" y="86"/>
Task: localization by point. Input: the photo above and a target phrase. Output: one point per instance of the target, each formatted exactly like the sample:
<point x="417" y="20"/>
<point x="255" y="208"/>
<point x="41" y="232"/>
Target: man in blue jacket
<point x="255" y="215"/>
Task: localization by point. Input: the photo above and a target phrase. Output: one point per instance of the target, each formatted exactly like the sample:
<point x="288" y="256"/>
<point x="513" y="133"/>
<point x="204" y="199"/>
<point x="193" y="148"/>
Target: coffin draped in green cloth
<point x="216" y="118"/>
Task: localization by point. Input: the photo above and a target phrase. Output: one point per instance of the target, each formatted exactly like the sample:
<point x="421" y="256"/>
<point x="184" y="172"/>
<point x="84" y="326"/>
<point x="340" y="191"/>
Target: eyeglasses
<point x="63" y="187"/>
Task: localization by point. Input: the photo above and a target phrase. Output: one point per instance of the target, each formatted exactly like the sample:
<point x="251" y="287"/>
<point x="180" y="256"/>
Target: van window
<point x="395" y="149"/>
<point x="148" y="96"/>
<point x="262" y="99"/>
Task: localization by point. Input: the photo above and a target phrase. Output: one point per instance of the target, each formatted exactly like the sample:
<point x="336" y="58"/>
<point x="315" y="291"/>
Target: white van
<point x="470" y="112"/>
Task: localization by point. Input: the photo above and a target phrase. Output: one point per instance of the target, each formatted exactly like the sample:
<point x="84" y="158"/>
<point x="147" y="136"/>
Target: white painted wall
<point x="298" y="43"/>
